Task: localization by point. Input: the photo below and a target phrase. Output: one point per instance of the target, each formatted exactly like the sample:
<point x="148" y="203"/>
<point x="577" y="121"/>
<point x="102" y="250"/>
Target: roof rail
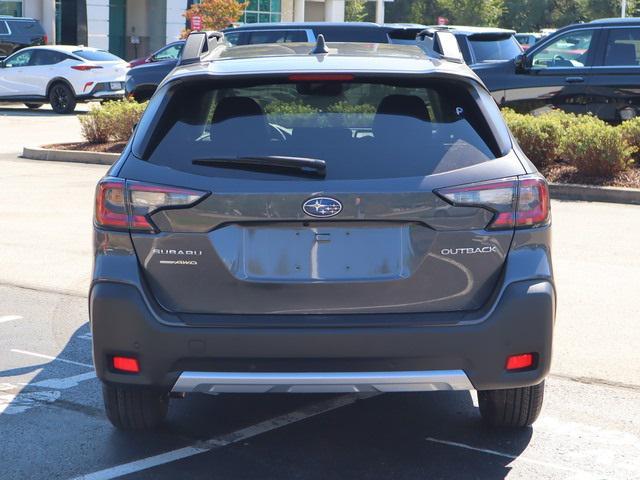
<point x="198" y="45"/>
<point x="442" y="44"/>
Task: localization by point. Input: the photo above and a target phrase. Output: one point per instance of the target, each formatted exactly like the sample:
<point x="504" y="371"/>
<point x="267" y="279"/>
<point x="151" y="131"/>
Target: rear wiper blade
<point x="268" y="163"/>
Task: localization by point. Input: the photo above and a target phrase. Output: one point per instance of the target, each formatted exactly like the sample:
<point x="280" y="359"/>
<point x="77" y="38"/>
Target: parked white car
<point x="61" y="75"/>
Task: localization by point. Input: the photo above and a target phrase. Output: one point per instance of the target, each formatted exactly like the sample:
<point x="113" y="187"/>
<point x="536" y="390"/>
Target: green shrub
<point x="95" y="126"/>
<point x="595" y="148"/>
<point x="111" y="121"/>
<point x="591" y="145"/>
<point x="539" y="137"/>
<point x="630" y="131"/>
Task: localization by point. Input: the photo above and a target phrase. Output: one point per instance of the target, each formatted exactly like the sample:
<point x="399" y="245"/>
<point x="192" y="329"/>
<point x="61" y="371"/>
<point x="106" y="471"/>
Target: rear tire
<point x="62" y="98"/>
<point x="134" y="408"/>
<point x="512" y="407"/>
<point x="33" y="106"/>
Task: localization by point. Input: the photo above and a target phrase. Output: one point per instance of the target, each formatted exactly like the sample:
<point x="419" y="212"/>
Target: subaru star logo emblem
<point x="322" y="207"/>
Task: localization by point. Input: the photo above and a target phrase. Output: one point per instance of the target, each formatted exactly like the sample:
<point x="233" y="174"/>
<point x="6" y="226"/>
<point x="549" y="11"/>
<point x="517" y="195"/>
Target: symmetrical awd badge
<point x="322" y="207"/>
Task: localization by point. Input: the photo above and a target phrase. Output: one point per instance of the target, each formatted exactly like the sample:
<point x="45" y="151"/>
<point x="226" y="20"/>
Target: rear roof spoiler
<point x="198" y="45"/>
<point x="441" y="44"/>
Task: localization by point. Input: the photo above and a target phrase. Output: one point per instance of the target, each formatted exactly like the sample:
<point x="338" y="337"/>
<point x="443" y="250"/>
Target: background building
<point x="135" y="28"/>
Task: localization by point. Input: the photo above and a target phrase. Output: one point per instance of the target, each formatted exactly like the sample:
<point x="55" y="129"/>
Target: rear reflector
<point x="84" y="68"/>
<point x="126" y="364"/>
<point x="520" y="202"/>
<point x="329" y="77"/>
<point x="128" y="205"/>
<point x="519" y="362"/>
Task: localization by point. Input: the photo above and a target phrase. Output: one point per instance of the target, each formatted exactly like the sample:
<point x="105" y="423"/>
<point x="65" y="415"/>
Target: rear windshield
<point x="97" y="56"/>
<point x="492" y="49"/>
<point x="360" y="129"/>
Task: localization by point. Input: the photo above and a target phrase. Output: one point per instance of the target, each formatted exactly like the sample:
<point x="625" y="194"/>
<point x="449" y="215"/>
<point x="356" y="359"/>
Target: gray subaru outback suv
<point x="321" y="218"/>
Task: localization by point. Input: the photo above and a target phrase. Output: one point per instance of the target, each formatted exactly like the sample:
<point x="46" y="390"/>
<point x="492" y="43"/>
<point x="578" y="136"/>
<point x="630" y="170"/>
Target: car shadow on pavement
<point x="404" y="435"/>
<point x="27" y="112"/>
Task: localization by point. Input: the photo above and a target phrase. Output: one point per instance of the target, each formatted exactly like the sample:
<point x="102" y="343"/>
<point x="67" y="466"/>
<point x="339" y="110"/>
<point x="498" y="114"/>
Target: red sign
<point x="443" y="21"/>
<point x="196" y="23"/>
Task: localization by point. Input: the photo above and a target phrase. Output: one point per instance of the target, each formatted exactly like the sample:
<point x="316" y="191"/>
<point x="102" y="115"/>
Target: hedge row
<point x="594" y="147"/>
<point x="112" y="121"/>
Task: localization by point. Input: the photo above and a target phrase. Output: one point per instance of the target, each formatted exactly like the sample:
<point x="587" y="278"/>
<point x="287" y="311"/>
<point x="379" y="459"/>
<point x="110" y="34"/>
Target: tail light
<point x="520" y="202"/>
<point x="46" y="40"/>
<point x="128" y="205"/>
<point x="84" y="68"/>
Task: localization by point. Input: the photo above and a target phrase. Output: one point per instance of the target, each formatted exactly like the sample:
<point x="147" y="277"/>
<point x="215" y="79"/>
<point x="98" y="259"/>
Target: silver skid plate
<point x="329" y="382"/>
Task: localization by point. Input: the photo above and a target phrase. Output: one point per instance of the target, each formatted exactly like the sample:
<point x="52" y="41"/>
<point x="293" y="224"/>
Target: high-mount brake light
<point x="84" y="68"/>
<point x="520" y="202"/>
<point x="322" y="77"/>
<point x="128" y="205"/>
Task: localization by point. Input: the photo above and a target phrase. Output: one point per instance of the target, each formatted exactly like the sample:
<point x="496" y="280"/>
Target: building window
<point x="263" y="11"/>
<point x="11" y="8"/>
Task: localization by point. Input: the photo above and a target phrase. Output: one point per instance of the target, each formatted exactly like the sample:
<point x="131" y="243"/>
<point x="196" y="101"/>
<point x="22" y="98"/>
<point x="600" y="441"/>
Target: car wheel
<point x="134" y="408"/>
<point x="33" y="106"/>
<point x="62" y="98"/>
<point x="512" y="407"/>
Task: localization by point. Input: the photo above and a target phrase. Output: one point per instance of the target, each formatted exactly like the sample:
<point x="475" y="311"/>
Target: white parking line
<point x="9" y="318"/>
<point x="49" y="357"/>
<point x="507" y="455"/>
<point x="223" y="440"/>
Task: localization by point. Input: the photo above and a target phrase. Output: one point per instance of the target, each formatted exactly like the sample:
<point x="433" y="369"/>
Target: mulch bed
<point x="563" y="173"/>
<point x="109" y="147"/>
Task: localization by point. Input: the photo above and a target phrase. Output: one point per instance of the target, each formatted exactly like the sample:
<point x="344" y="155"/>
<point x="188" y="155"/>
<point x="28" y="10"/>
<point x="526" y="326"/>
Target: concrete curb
<point x="589" y="193"/>
<point x="78" y="156"/>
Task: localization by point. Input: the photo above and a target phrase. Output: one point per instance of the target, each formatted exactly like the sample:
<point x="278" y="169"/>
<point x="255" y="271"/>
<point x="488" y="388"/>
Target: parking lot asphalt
<point x="52" y="424"/>
<point x="22" y="127"/>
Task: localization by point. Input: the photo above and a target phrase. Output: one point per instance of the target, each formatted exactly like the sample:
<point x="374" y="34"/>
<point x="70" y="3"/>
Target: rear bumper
<point x="123" y="322"/>
<point x="103" y="91"/>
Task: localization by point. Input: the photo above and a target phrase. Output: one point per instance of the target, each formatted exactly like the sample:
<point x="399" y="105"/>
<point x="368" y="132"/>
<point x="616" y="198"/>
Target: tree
<point x="355" y="10"/>
<point x="472" y="12"/>
<point x="459" y="12"/>
<point x="216" y="14"/>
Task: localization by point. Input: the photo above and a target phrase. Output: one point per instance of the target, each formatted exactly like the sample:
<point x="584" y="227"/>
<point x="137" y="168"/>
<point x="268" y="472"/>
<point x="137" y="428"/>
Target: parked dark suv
<point x="321" y="218"/>
<point x="585" y="68"/>
<point x="480" y="46"/>
<point x="19" y="32"/>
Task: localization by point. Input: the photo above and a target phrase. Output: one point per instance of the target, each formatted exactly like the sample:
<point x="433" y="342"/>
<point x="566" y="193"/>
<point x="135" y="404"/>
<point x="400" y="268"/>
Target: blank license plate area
<point x="311" y="254"/>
